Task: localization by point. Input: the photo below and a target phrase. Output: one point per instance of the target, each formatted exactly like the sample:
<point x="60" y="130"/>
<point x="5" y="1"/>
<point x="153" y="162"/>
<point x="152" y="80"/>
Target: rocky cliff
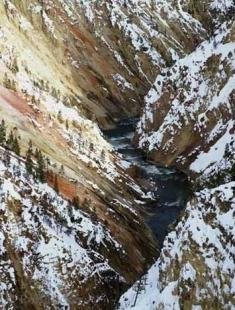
<point x="103" y="55"/>
<point x="70" y="244"/>
<point x="188" y="122"/>
<point x="196" y="268"/>
<point x="71" y="231"/>
<point x="188" y="119"/>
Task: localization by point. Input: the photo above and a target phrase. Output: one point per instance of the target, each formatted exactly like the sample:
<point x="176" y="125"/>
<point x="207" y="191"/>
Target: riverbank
<point x="168" y="186"/>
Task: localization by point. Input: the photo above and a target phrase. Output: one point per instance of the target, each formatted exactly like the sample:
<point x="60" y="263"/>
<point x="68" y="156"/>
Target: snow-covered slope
<point x="154" y="32"/>
<point x="45" y="97"/>
<point x="47" y="244"/>
<point x="94" y="46"/>
<point x="189" y="115"/>
<point x="195" y="269"/>
<point x="189" y="121"/>
<point x="59" y="253"/>
<point x="86" y="168"/>
<point x="78" y="240"/>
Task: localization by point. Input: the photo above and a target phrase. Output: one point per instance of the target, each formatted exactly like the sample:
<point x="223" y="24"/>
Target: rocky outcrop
<point x="196" y="267"/>
<point x="189" y="115"/>
<point x="87" y="237"/>
<point x="62" y="253"/>
<point x="101" y="56"/>
<point x="188" y="122"/>
<point x="67" y="66"/>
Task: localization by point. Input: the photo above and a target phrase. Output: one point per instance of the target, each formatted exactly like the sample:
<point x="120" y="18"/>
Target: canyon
<point x="117" y="154"/>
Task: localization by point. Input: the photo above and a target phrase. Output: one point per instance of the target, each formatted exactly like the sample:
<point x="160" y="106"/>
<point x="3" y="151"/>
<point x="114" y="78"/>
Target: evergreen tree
<point x="40" y="168"/>
<point x="1" y="182"/>
<point x="48" y="162"/>
<point x="102" y="156"/>
<point x="6" y="81"/>
<point x="33" y="100"/>
<point x="14" y="66"/>
<point x="29" y="161"/>
<point x="67" y="124"/>
<point x="16" y="146"/>
<point x="56" y="185"/>
<point x="61" y="170"/>
<point x="2" y="133"/>
<point x="70" y="212"/>
<point x="91" y="147"/>
<point x="10" y="141"/>
<point x="13" y="85"/>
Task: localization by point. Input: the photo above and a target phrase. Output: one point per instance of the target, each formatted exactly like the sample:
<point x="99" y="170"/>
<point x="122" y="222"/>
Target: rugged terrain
<point x="189" y="122"/>
<point x="76" y="238"/>
<point x="40" y="101"/>
<point x="107" y="51"/>
<point x="196" y="267"/>
<point x="189" y="114"/>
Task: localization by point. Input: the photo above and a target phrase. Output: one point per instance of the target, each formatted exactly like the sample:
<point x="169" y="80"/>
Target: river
<point x="169" y="186"/>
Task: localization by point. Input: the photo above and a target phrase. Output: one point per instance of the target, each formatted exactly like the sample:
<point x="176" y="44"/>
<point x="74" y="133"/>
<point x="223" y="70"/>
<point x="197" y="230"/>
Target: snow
<point x="122" y="82"/>
<point x="24" y="24"/>
<point x="192" y="98"/>
<point x="222" y="6"/>
<point x="150" y="297"/>
<point x="213" y="252"/>
<point x="48" y="22"/>
<point x="216" y="152"/>
<point x="188" y="272"/>
<point x="55" y="237"/>
<point x="47" y="231"/>
<point x="145" y="25"/>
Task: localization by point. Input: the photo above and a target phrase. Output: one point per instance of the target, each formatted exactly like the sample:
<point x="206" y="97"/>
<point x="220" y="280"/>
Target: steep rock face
<point x="43" y="99"/>
<point x="59" y="253"/>
<point x="188" y="121"/>
<point x="189" y="115"/>
<point x="91" y="173"/>
<point x="48" y="247"/>
<point x="62" y="63"/>
<point x="101" y="52"/>
<point x="196" y="265"/>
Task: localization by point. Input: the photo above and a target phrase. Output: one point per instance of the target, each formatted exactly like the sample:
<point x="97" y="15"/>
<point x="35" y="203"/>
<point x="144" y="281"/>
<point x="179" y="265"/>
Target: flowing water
<point x="169" y="186"/>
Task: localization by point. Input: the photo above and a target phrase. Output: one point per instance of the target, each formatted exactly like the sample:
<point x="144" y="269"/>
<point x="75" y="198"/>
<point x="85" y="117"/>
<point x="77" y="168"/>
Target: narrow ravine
<point x="169" y="187"/>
